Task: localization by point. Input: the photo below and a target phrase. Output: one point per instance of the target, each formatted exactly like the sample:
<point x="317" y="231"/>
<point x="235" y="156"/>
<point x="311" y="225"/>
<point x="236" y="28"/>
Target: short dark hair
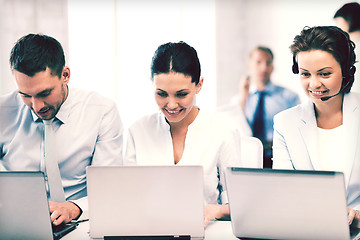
<point x="332" y="40"/>
<point x="351" y="13"/>
<point x="176" y="57"/>
<point x="264" y="49"/>
<point x="34" y="52"/>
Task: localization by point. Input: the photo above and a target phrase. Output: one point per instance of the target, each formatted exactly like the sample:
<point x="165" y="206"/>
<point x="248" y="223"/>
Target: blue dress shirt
<point x="276" y="100"/>
<point x="88" y="131"/>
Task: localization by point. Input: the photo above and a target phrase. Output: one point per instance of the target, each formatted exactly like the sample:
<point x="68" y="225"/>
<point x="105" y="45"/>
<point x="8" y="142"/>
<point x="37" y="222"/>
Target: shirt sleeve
<point x="108" y="148"/>
<point x="109" y="144"/>
<point x="130" y="153"/>
<point x="2" y="168"/>
<point x="229" y="157"/>
<point x="281" y="156"/>
<point x="82" y="203"/>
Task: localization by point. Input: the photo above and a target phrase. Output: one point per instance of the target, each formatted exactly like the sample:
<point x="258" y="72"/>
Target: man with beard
<point x="85" y="127"/>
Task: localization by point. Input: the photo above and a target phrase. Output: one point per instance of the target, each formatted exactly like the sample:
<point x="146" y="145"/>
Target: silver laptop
<point x="146" y="201"/>
<point x="287" y="204"/>
<point x="24" y="210"/>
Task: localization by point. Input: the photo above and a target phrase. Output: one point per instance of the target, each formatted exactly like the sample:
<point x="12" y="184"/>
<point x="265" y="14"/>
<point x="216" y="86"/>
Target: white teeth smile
<point x="318" y="92"/>
<point x="173" y="112"/>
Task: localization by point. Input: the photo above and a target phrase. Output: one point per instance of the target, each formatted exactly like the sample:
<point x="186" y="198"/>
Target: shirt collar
<point x="269" y="88"/>
<point x="63" y="113"/>
<point x="164" y="124"/>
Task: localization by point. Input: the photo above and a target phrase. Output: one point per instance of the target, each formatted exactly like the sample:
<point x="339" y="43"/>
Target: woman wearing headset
<point x="324" y="132"/>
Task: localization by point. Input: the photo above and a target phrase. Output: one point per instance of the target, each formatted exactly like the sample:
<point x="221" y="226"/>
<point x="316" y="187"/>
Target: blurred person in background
<point x="259" y="100"/>
<point x="348" y="19"/>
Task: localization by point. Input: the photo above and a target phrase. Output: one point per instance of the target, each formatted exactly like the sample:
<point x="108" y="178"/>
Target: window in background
<point x="111" y="44"/>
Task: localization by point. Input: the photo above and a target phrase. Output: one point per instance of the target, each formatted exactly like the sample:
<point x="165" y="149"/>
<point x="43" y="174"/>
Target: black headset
<point x="350" y="70"/>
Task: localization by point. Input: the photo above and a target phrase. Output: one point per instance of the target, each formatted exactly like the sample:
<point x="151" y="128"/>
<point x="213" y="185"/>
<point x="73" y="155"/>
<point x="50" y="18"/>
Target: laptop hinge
<point x="161" y="237"/>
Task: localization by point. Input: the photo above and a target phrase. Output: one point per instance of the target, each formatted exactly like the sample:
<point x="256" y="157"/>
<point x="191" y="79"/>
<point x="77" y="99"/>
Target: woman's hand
<point x="215" y="211"/>
<point x="354" y="217"/>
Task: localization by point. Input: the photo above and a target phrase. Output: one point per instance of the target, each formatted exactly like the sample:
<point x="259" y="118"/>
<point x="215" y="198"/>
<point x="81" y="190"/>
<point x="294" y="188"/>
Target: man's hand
<point x="63" y="212"/>
<point x="354" y="217"/>
<point x="244" y="87"/>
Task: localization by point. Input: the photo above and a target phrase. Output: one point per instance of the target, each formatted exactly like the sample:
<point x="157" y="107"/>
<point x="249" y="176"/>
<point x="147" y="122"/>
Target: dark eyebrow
<point x="182" y="90"/>
<point x="46" y="91"/>
<point x="24" y="94"/>
<point x="323" y="69"/>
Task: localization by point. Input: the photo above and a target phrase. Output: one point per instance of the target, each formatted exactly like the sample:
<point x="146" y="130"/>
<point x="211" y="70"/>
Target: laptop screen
<point x="287" y="204"/>
<point x="24" y="209"/>
<point x="146" y="201"/>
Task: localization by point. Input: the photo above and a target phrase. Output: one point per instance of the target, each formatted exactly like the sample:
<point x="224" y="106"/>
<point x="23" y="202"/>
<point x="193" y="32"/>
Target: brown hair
<point x="264" y="49"/>
<point x="332" y="40"/>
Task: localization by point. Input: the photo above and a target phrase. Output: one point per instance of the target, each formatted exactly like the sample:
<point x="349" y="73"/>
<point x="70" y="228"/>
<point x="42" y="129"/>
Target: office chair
<point x="251" y="152"/>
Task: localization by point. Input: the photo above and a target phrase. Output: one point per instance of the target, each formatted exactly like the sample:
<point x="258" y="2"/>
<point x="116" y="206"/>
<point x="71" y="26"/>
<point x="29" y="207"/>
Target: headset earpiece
<point x="295" y="66"/>
<point x="352" y="71"/>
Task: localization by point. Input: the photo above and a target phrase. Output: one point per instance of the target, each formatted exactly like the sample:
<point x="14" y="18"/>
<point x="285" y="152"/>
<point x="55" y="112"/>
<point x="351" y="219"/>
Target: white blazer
<point x="295" y="143"/>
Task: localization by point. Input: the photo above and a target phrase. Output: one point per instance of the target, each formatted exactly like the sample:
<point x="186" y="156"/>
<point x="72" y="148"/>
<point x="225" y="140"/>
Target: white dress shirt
<point x="209" y="143"/>
<point x="331" y="149"/>
<point x="87" y="129"/>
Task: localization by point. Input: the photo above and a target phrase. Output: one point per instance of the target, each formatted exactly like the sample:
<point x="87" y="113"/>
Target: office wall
<point x="20" y="17"/>
<point x="112" y="52"/>
<point x="223" y="32"/>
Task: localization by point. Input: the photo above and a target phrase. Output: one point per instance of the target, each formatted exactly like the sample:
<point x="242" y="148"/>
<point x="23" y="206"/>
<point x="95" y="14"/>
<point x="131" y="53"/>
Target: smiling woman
<point x="180" y="133"/>
<point x="175" y="95"/>
<point x="320" y="75"/>
<point x="324" y="132"/>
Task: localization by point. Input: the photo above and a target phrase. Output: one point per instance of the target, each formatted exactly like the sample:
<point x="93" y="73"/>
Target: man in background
<point x="85" y="128"/>
<point x="259" y="100"/>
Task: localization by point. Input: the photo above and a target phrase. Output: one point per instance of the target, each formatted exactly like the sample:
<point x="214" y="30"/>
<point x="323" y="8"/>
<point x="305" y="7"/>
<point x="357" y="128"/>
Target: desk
<point x="217" y="230"/>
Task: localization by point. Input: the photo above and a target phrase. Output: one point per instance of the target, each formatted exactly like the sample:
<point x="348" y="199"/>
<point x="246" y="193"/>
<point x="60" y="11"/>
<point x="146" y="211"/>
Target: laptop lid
<point x="24" y="209"/>
<point x="146" y="201"/>
<point x="287" y="204"/>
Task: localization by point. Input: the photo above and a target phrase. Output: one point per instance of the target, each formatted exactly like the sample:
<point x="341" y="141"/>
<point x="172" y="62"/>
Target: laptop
<point x="146" y="202"/>
<point x="287" y="204"/>
<point x="24" y="209"/>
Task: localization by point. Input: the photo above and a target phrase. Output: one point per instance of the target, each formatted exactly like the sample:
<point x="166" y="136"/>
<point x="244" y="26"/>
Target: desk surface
<point x="214" y="231"/>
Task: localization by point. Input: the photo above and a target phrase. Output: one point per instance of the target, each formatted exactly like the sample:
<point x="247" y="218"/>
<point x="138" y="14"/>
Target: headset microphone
<point x="342" y="89"/>
<point x="327" y="98"/>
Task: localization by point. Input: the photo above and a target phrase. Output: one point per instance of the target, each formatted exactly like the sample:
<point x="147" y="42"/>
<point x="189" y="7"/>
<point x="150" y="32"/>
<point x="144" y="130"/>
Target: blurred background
<point x="109" y="43"/>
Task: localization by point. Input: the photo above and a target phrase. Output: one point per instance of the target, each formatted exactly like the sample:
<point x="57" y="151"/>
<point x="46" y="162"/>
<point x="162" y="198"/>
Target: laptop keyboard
<point x="62" y="229"/>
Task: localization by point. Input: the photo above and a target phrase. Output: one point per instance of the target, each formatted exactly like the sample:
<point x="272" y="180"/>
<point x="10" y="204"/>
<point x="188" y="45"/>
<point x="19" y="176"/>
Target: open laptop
<point x="287" y="204"/>
<point x="146" y="202"/>
<point x="24" y="209"/>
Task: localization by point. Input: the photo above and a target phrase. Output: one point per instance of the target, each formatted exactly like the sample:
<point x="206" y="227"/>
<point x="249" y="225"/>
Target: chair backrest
<point x="251" y="152"/>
